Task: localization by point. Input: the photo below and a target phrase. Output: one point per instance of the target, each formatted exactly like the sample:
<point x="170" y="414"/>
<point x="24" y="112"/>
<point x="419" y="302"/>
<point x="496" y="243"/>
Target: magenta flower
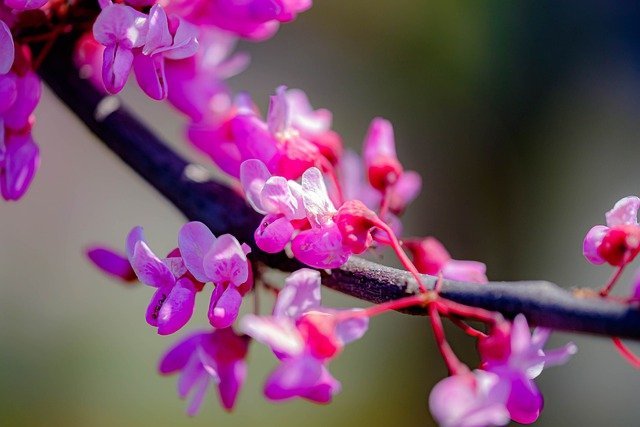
<point x="208" y="357"/>
<point x="111" y="263"/>
<point x="19" y="95"/>
<point x="120" y="29"/>
<point x="472" y="399"/>
<point x="172" y="305"/>
<point x="384" y="170"/>
<point x="293" y="138"/>
<point x="279" y="199"/>
<point x="431" y="257"/>
<point x="166" y="38"/>
<point x="618" y="242"/>
<point x="251" y="19"/>
<point x="87" y="56"/>
<point x="517" y="357"/>
<point x="305" y="337"/>
<point x="222" y="261"/>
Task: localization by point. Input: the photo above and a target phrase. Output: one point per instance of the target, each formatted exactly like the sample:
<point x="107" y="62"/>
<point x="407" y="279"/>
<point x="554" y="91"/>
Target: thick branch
<point x="225" y="211"/>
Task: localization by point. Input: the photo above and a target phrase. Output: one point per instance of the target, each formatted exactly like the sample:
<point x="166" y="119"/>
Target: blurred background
<point x="523" y="118"/>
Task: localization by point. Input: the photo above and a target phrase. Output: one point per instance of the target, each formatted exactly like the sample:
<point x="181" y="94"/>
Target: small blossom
<point x="208" y="357"/>
<point x="305" y="337"/>
<point x="472" y="399"/>
<point x="166" y="38"/>
<point x="173" y="303"/>
<point x="517" y="357"/>
<point x="431" y="257"/>
<point x="384" y="171"/>
<point x="617" y="243"/>
<point x="222" y="261"/>
<point x="112" y="263"/>
<point x="120" y="29"/>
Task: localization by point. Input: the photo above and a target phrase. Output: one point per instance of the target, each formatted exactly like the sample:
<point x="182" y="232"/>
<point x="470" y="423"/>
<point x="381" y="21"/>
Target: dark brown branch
<point x="225" y="211"/>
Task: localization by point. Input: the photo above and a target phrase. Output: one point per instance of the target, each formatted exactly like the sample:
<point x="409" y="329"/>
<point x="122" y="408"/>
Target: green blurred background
<point x="523" y="118"/>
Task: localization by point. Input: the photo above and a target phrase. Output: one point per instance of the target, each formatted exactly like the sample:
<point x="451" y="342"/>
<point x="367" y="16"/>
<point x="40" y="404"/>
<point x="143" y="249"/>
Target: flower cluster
<point x="19" y="95"/>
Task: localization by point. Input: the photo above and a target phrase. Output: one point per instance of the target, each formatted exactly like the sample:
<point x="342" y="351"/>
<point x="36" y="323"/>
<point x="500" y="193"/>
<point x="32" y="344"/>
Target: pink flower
<point x="112" y="263"/>
<point x="279" y="199"/>
<point x="384" y="170"/>
<point x="87" y="56"/>
<point x="120" y="29"/>
<point x="618" y="242"/>
<point x="517" y="357"/>
<point x="167" y="38"/>
<point x="472" y="399"/>
<point x="207" y="357"/>
<point x="305" y="337"/>
<point x="19" y="155"/>
<point x="293" y="138"/>
<point x="252" y="19"/>
<point x="222" y="261"/>
<point x="322" y="245"/>
<point x="431" y="257"/>
<point x="172" y="305"/>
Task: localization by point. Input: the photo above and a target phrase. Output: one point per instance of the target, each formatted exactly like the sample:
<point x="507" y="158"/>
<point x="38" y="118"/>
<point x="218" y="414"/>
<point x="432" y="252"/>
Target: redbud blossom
<point x="112" y="263"/>
<point x="208" y="357"/>
<point x="305" y="337"/>
<point x="617" y="243"/>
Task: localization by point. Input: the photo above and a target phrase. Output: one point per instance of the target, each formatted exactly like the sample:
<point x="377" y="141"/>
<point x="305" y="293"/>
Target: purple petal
<point x="470" y="400"/>
<point x="324" y="389"/>
<point x="197" y="396"/>
<point x="135" y="235"/>
<point x="8" y="93"/>
<point x="177" y="356"/>
<point x="320" y="248"/>
<point x="525" y="400"/>
<point x="195" y="240"/>
<point x="293" y="378"/>
<point x="158" y="35"/>
<point x="155" y="305"/>
<point x="117" y="62"/>
<point x="253" y="176"/>
<point x="29" y="89"/>
<point x="7" y="49"/>
<point x="226" y="262"/>
<point x="278" y="116"/>
<point x="178" y="307"/>
<point x="148" y="267"/>
<point x="25" y="4"/>
<point x="253" y="138"/>
<point x="300" y="293"/>
<point x="120" y="24"/>
<point x="465" y="271"/>
<point x="303" y="117"/>
<point x="279" y="333"/>
<point x="224" y="307"/>
<point x="273" y="233"/>
<point x="624" y="212"/>
<point x="316" y="200"/>
<point x="592" y="241"/>
<point x="277" y="197"/>
<point x="21" y="162"/>
<point x="150" y="75"/>
<point x="191" y="374"/>
<point x="232" y="378"/>
<point x="352" y="329"/>
<point x="185" y="43"/>
<point x="405" y="190"/>
<point x="112" y="263"/>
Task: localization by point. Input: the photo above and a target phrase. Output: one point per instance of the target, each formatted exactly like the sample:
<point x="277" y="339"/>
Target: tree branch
<point x="225" y="211"/>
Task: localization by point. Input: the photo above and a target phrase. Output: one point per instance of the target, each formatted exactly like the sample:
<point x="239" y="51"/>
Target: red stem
<point x="467" y="329"/>
<point x="454" y="364"/>
<point x="626" y="353"/>
<point x="612" y="281"/>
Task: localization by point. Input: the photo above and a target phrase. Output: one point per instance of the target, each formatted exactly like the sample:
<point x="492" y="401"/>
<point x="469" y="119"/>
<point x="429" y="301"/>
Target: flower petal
<point x="224" y="307"/>
<point x="178" y="307"/>
<point x="226" y="262"/>
<point x="232" y="377"/>
<point x="316" y="200"/>
<point x="293" y="378"/>
<point x="253" y="176"/>
<point x="150" y="75"/>
<point x="624" y="212"/>
<point x="112" y="263"/>
<point x="277" y="332"/>
<point x="273" y="233"/>
<point x="7" y="49"/>
<point x="300" y="293"/>
<point x="177" y="357"/>
<point x="195" y="240"/>
<point x="148" y="267"/>
<point x="320" y="248"/>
